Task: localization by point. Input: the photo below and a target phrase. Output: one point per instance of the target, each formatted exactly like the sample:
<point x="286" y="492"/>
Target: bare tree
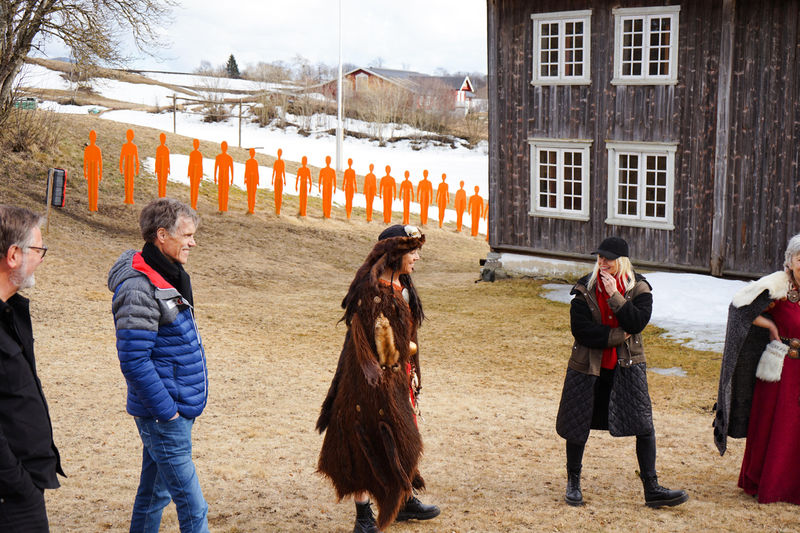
<point x="90" y="28"/>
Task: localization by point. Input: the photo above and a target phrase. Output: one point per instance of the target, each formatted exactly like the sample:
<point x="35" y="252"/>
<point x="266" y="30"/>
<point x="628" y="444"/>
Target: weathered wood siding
<point x="764" y="184"/>
<point x="762" y="193"/>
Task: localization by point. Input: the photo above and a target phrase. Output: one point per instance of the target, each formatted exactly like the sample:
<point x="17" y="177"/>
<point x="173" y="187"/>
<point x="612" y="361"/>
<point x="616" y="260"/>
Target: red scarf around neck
<point x="609" y="318"/>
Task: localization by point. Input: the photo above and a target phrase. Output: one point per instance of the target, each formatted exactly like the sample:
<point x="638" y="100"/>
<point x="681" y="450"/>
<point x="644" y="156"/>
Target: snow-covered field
<point x="692" y="308"/>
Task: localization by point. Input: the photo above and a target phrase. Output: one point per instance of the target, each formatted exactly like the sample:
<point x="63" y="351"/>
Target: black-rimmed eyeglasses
<point x="41" y="249"/>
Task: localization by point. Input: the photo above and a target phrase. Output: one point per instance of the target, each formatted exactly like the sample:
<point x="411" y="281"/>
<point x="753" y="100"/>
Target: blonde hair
<point x="624" y="272"/>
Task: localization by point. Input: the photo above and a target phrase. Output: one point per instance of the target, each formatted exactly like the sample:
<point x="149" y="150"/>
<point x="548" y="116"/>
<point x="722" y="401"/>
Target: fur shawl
<point x="744" y="344"/>
<point x="372" y="443"/>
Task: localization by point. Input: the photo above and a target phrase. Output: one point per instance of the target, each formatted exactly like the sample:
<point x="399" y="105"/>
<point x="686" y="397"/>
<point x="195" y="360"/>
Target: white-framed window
<point x="641" y="184"/>
<point x="560" y="178"/>
<point x="562" y="48"/>
<point x="646" y="45"/>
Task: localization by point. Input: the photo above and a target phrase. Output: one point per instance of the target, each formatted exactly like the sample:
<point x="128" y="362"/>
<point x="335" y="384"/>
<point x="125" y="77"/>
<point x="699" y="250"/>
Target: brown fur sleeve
<point x="363" y="350"/>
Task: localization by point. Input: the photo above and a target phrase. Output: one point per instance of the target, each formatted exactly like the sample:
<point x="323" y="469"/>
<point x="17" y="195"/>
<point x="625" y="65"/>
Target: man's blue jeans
<point x="168" y="474"/>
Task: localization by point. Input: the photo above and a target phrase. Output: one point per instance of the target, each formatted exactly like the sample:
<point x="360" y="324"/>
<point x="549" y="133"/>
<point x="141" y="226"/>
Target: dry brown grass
<point x="268" y="291"/>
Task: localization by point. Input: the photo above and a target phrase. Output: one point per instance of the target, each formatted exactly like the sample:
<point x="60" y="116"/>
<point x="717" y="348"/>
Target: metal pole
<point x="240" y="122"/>
<point x="174" y="106"/>
<point x="339" y="100"/>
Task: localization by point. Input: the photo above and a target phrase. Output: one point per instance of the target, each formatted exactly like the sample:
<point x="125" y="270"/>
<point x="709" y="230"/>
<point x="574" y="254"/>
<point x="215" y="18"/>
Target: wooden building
<point x="673" y="124"/>
<point x="425" y="91"/>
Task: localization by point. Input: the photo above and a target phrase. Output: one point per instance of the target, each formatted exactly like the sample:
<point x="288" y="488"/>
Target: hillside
<point x="267" y="292"/>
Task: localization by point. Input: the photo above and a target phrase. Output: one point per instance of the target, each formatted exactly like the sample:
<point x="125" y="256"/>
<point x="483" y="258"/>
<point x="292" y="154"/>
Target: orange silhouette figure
<point x="442" y="198"/>
<point x="223" y="176"/>
<point x="486" y="218"/>
<point x="278" y="181"/>
<point x="407" y="194"/>
<point x="129" y="165"/>
<point x="387" y="191"/>
<point x="424" y="197"/>
<point x="162" y="165"/>
<point x="251" y="180"/>
<point x="304" y="181"/>
<point x="475" y="208"/>
<point x="93" y="169"/>
<point x="349" y="186"/>
<point x="327" y="184"/>
<point x="195" y="172"/>
<point x="370" y="190"/>
<point x="461" y="205"/>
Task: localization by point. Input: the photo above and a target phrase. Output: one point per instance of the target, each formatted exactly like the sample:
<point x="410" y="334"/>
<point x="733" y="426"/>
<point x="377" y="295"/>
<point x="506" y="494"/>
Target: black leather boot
<point x="574" y="495"/>
<point x="365" y="520"/>
<point x="657" y="496"/>
<point x="416" y="510"/>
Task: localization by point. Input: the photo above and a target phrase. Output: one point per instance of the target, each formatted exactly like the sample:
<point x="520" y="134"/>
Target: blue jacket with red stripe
<point x="160" y="351"/>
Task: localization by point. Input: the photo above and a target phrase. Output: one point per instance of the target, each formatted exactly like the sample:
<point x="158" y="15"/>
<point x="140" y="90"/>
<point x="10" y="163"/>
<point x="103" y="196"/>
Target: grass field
<point x="267" y="291"/>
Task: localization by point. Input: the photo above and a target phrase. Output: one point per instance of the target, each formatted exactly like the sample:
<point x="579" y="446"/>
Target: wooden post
<point x="174" y="106"/>
<point x="48" y="199"/>
<point x="240" y="122"/>
<point x="719" y="224"/>
<point x="493" y="56"/>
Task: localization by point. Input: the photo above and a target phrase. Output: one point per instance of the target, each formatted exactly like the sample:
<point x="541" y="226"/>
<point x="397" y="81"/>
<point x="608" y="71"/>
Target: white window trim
<point x="646" y="79"/>
<point x="641" y="149"/>
<point x="562" y="17"/>
<point x="575" y="145"/>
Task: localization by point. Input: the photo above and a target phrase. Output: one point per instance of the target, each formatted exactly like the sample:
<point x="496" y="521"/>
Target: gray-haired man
<point x="29" y="459"/>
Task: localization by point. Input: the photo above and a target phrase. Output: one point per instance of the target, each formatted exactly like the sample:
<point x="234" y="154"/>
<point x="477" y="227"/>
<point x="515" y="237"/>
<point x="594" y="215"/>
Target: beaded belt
<point x="794" y="347"/>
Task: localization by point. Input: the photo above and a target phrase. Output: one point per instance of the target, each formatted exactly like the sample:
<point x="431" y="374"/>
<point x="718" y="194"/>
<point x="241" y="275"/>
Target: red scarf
<point x="609" y="319"/>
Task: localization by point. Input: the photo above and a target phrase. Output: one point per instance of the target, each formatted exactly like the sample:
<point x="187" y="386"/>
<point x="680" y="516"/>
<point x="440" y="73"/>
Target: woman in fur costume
<point x="606" y="382"/>
<point x="372" y="444"/>
<point x="759" y="386"/>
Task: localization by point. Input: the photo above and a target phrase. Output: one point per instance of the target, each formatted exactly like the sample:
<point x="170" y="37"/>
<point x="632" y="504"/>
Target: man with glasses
<point x="29" y="459"/>
<point x="162" y="358"/>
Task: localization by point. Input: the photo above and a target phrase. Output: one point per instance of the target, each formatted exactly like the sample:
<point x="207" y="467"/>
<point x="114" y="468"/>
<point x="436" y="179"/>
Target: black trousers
<point x="24" y="514"/>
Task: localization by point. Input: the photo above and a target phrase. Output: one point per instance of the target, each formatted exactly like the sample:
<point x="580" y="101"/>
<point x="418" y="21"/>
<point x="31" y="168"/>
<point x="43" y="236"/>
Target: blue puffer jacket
<point x="160" y="351"/>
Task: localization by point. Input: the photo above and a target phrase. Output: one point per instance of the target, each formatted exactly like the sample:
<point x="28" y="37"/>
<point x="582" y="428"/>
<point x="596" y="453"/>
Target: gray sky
<point x="418" y="35"/>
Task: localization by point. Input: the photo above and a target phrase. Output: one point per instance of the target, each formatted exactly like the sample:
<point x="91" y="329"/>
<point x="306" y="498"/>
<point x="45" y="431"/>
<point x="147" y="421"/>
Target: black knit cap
<point x="398" y="230"/>
<point x="612" y="248"/>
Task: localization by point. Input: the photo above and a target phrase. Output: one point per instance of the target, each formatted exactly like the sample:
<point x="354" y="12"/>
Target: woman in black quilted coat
<point x="606" y="382"/>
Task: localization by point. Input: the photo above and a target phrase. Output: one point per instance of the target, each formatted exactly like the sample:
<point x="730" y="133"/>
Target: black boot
<point x="657" y="496"/>
<point x="416" y="510"/>
<point x="365" y="520"/>
<point x="574" y="495"/>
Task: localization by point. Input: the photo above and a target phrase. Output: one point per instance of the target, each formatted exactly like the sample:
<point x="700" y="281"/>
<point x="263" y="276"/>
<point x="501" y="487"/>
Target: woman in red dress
<point x="761" y="371"/>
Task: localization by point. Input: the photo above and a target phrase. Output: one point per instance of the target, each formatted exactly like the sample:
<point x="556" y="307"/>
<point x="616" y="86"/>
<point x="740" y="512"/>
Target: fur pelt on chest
<point x="372" y="443"/>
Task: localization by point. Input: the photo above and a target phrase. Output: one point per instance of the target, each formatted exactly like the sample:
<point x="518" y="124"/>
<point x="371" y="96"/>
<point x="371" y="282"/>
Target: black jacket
<point x="28" y="456"/>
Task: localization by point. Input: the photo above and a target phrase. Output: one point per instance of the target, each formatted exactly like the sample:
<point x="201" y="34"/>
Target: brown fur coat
<point x="372" y="443"/>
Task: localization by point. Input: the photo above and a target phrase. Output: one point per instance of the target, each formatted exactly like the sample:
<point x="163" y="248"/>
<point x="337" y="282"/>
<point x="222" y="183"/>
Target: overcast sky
<point x="419" y="35"/>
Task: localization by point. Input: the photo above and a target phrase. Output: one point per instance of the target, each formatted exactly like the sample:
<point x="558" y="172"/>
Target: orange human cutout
<point x="370" y="190"/>
<point x="304" y="181"/>
<point x="387" y="191"/>
<point x="278" y="181"/>
<point x="195" y="172"/>
<point x="349" y="186"/>
<point x="460" y="205"/>
<point x="251" y="180"/>
<point x="424" y="197"/>
<point x="327" y="184"/>
<point x="223" y="176"/>
<point x="442" y="198"/>
<point x="93" y="169"/>
<point x="129" y="165"/>
<point x="162" y="165"/>
<point x="486" y="218"/>
<point x="475" y="208"/>
<point x="407" y="194"/>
